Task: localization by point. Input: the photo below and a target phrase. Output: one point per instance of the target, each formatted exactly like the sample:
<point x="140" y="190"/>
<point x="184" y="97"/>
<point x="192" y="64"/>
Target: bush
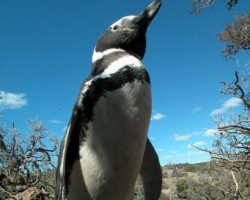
<point x="182" y="188"/>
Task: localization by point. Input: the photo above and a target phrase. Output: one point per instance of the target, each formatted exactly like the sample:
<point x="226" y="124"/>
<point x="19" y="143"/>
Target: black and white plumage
<point x="105" y="146"/>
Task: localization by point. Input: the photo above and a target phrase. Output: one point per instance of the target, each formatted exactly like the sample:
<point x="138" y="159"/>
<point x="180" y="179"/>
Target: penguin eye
<point x="116" y="27"/>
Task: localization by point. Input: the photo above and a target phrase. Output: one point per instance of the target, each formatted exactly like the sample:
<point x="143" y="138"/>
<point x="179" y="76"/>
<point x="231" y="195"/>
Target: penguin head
<point x="129" y="33"/>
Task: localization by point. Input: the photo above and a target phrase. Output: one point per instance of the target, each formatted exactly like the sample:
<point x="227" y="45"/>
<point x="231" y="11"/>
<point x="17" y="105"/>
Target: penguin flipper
<point x="68" y="149"/>
<point x="151" y="174"/>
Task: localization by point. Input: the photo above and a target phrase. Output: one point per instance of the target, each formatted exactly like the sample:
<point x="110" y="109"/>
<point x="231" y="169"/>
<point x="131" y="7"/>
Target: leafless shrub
<point x="198" y="5"/>
<point x="27" y="162"/>
<point x="236" y="35"/>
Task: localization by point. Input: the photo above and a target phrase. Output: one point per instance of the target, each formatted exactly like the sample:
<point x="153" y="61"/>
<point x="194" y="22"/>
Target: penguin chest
<point x="115" y="141"/>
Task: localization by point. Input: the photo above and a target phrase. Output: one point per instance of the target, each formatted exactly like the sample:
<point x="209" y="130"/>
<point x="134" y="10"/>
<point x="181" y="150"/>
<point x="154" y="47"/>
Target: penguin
<point x="105" y="147"/>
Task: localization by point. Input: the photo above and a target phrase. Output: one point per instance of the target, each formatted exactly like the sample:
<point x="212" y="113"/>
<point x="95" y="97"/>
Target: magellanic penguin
<point x="105" y="146"/>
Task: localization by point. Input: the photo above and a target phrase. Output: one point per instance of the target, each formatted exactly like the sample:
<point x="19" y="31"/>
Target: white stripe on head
<point x="119" y="22"/>
<point x="99" y="55"/>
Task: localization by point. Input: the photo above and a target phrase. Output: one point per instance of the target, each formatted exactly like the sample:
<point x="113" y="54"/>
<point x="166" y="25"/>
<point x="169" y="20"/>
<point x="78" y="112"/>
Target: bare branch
<point x="245" y="130"/>
<point x="199" y="5"/>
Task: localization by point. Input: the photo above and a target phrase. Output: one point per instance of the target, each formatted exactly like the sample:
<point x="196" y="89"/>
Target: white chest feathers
<point x="115" y="141"/>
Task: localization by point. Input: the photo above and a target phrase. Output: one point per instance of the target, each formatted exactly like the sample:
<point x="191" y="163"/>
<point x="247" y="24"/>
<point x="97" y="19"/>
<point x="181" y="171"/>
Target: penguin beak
<point x="145" y="18"/>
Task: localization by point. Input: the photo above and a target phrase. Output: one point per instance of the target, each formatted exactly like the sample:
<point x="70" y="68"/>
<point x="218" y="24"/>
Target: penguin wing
<point x="69" y="148"/>
<point x="73" y="127"/>
<point x="151" y="173"/>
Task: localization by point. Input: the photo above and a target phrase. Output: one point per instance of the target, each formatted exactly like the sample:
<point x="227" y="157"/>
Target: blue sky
<point x="46" y="49"/>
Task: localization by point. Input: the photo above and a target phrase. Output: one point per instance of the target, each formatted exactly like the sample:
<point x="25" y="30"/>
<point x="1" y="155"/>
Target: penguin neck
<point x="100" y="55"/>
<point x="135" y="55"/>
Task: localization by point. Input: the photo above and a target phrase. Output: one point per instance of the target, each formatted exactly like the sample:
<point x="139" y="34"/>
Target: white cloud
<point x="172" y="151"/>
<point x="178" y="137"/>
<point x="197" y="109"/>
<point x="167" y="157"/>
<point x="55" y="121"/>
<point x="232" y="102"/>
<point x="158" y="116"/>
<point x="151" y="138"/>
<point x="185" y="137"/>
<point x="159" y="150"/>
<point x="211" y="132"/>
<point x="228" y="104"/>
<point x="12" y="100"/>
<point x="192" y="153"/>
<point x="197" y="144"/>
<point x="196" y="133"/>
<point x="64" y="129"/>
